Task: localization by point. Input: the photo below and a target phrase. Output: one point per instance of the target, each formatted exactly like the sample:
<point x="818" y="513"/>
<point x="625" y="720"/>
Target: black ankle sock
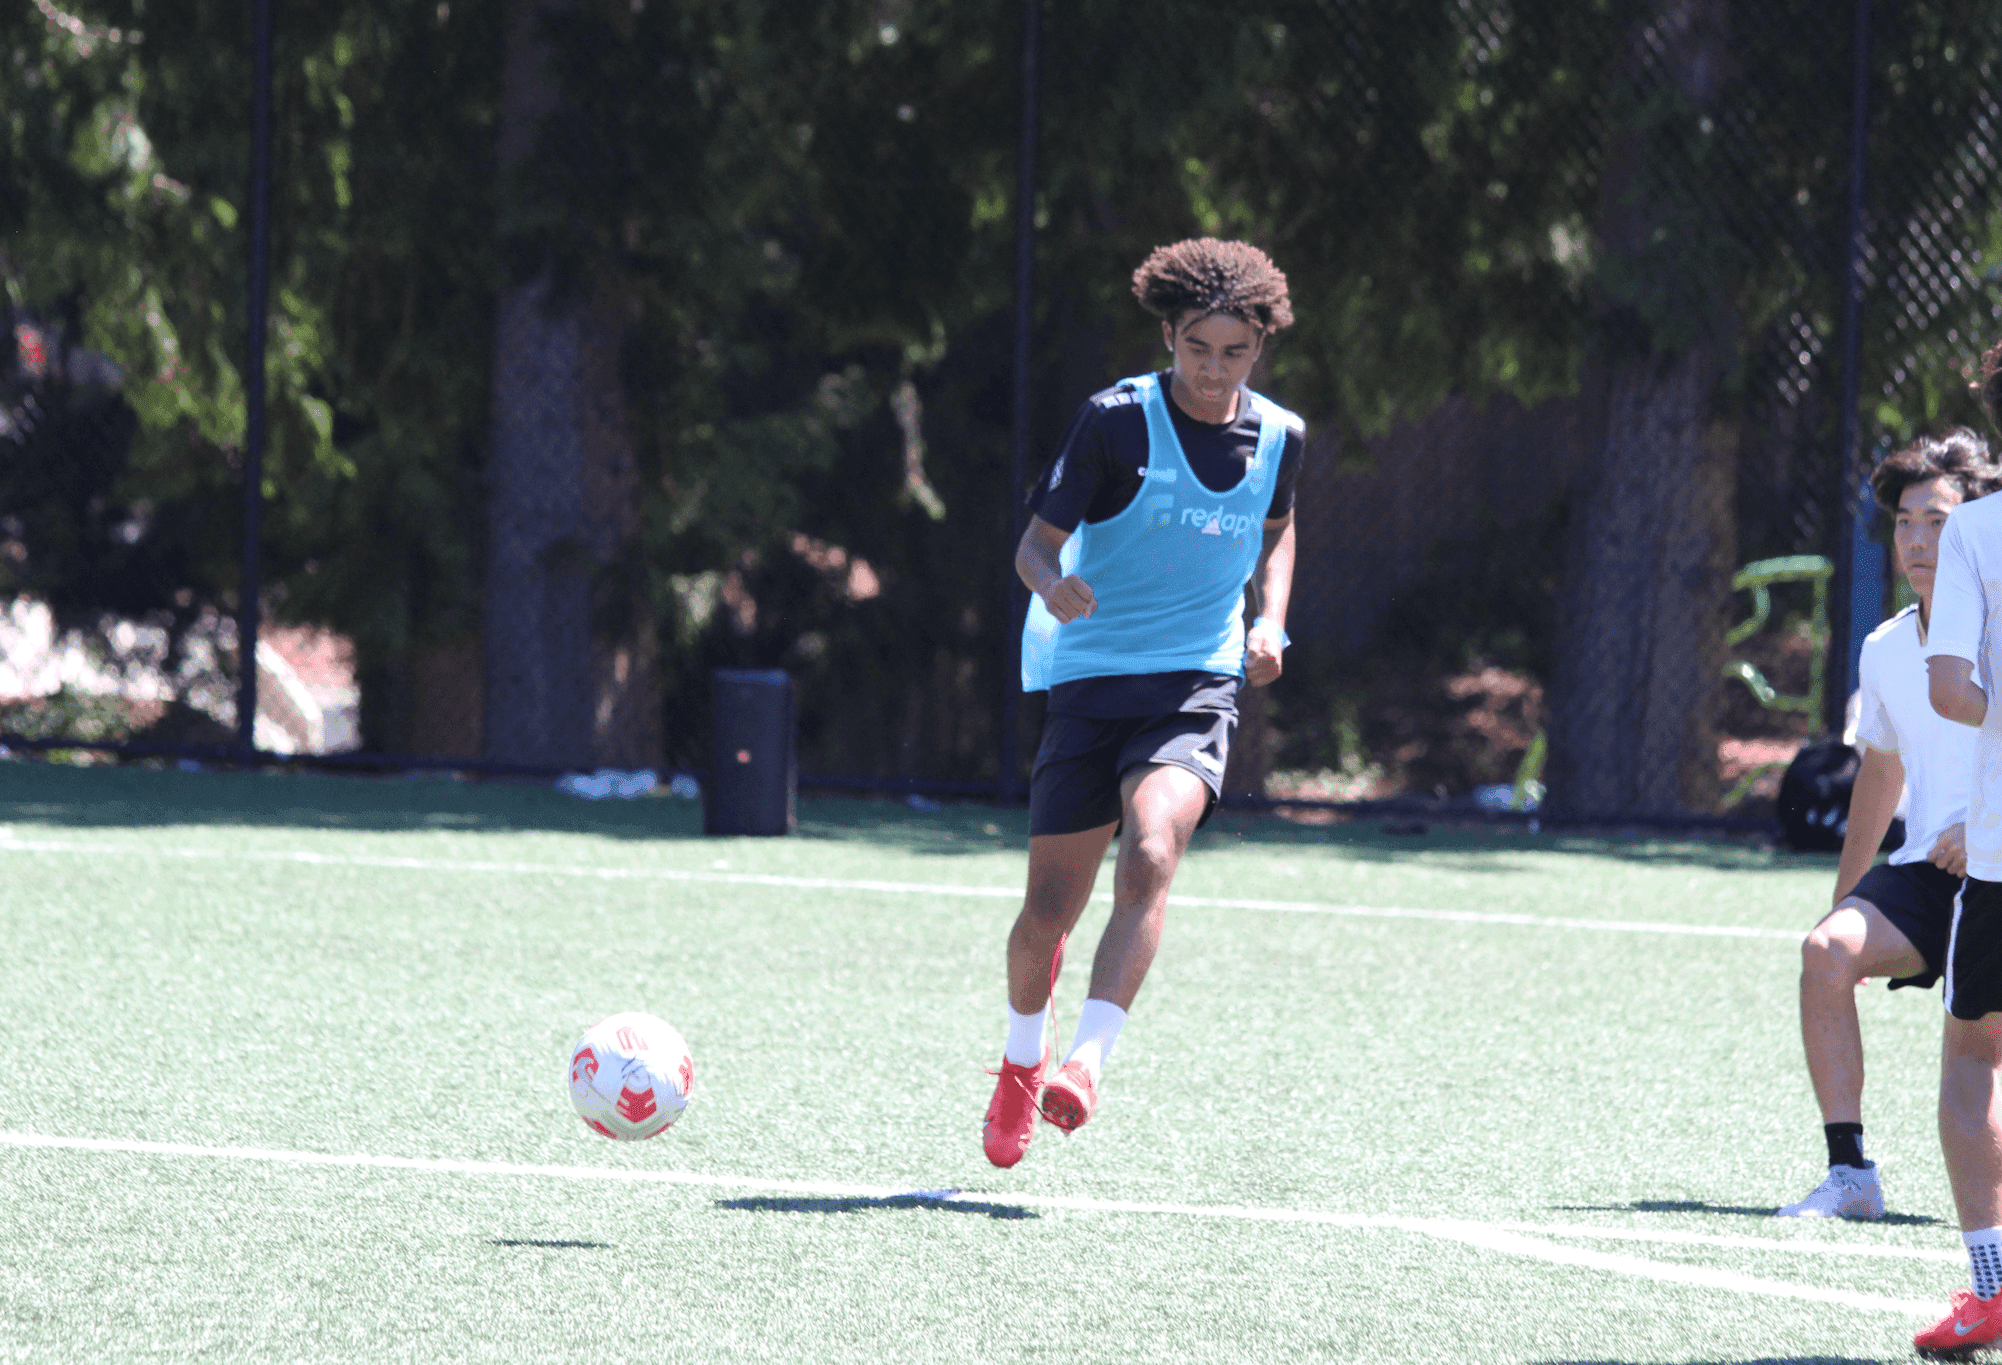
<point x="1845" y="1145"/>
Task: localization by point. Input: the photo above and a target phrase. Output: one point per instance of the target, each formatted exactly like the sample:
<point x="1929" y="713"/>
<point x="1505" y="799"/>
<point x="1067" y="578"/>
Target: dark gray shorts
<point x="1075" y="783"/>
<point x="1917" y="898"/>
<point x="1974" y="951"/>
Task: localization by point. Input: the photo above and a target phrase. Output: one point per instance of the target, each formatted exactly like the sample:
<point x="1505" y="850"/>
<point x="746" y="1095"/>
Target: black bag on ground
<point x="1813" y="805"/>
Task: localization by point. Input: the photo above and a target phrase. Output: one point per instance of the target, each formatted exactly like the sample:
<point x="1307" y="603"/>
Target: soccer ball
<point x="630" y="1076"/>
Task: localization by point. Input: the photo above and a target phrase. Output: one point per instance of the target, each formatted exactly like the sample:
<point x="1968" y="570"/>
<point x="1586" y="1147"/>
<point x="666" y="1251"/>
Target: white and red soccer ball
<point x="630" y="1076"/>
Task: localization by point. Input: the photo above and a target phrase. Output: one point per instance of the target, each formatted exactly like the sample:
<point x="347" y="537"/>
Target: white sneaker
<point x="1849" y="1192"/>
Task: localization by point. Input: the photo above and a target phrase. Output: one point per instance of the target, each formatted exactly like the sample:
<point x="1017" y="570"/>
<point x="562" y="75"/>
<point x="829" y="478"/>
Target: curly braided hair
<point x="1203" y="276"/>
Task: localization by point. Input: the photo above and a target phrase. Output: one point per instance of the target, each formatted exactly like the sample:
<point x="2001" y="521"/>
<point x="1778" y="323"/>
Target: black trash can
<point x="754" y="778"/>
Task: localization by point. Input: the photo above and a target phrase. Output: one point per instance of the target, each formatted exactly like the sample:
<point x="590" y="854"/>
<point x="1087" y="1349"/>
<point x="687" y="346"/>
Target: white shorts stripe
<point x="1952" y="938"/>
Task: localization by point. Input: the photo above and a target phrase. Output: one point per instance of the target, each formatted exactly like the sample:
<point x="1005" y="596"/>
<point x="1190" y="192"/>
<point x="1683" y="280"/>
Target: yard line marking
<point x="1494" y="1238"/>
<point x="453" y="865"/>
<point x="1630" y="926"/>
<point x="1507" y="1238"/>
<point x="1739" y="1241"/>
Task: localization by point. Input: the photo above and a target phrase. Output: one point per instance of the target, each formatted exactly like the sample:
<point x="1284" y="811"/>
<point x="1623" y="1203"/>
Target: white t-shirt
<point x="1896" y="716"/>
<point x="1966" y="623"/>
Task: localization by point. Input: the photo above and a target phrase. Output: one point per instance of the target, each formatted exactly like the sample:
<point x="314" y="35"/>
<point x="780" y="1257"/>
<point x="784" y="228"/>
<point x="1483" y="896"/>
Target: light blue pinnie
<point x="1168" y="571"/>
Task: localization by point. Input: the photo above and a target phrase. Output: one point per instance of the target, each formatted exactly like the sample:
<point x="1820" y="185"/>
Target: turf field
<point x="284" y="1061"/>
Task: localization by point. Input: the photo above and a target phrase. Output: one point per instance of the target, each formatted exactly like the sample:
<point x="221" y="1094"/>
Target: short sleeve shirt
<point x="1895" y="716"/>
<point x="1966" y="623"/>
<point x="1102" y="462"/>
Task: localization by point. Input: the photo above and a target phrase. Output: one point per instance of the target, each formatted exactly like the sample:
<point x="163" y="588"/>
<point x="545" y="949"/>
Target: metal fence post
<point x="247" y="622"/>
<point x="1025" y="320"/>
<point x="1835" y="700"/>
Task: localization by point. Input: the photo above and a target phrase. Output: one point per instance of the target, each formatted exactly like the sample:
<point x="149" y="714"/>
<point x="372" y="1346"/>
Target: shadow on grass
<point x="1762" y="1360"/>
<point x="1497" y="848"/>
<point x="105" y="797"/>
<point x="553" y="1245"/>
<point x="108" y="798"/>
<point x="863" y="1204"/>
<point x="1913" y="1220"/>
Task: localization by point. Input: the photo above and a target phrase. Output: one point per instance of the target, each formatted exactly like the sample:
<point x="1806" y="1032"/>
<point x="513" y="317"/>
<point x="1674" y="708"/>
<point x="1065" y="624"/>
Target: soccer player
<point x="1170" y="499"/>
<point x="1891" y="921"/>
<point x="1965" y="631"/>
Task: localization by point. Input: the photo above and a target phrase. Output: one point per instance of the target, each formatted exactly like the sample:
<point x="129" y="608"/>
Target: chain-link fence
<point x="730" y="377"/>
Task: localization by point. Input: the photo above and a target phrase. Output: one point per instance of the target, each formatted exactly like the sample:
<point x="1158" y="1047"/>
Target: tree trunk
<point x="571" y="656"/>
<point x="1646" y="595"/>
<point x="1653" y="538"/>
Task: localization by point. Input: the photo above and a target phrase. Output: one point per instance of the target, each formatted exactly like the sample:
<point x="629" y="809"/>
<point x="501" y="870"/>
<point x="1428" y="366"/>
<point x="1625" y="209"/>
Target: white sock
<point x="1984" y="1257"/>
<point x="1098" y="1025"/>
<point x="1025" y="1036"/>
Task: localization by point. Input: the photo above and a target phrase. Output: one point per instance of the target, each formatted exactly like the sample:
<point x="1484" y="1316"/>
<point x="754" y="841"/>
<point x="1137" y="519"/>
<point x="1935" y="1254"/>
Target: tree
<point x="571" y="655"/>
<point x="1641" y="634"/>
<point x="751" y="266"/>
<point x="126" y="162"/>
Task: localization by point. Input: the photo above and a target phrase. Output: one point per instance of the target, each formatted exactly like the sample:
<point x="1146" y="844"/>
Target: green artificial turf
<point x="399" y="969"/>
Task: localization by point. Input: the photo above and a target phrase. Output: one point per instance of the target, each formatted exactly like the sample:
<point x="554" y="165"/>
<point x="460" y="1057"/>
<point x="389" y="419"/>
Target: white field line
<point x="1739" y="1241"/>
<point x="1507" y="1238"/>
<point x="454" y="865"/>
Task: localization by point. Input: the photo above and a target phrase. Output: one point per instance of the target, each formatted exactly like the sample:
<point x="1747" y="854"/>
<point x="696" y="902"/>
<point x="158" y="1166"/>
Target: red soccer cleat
<point x="1972" y="1324"/>
<point x="1070" y="1098"/>
<point x="1011" y="1114"/>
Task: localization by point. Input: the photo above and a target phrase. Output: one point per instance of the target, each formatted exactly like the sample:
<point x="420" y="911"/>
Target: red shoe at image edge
<point x="1011" y="1114"/>
<point x="1070" y="1098"/>
<point x="1972" y="1322"/>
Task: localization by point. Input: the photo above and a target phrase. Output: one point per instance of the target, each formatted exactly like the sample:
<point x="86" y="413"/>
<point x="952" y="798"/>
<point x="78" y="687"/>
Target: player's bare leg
<point x="1162" y="805"/>
<point x="1970" y="1136"/>
<point x="1062" y="871"/>
<point x="1853" y="943"/>
<point x="1063" y="868"/>
<point x="1970" y="1117"/>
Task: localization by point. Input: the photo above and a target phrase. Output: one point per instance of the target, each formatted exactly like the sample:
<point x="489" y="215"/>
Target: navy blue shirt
<point x="1098" y="468"/>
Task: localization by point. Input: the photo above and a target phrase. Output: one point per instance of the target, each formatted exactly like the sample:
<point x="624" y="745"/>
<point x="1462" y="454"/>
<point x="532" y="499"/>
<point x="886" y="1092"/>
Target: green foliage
<point x="67" y="714"/>
<point x="124" y="216"/>
<point x="798" y="214"/>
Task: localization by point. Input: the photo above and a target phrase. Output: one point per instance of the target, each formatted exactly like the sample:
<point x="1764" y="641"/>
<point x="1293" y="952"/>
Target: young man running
<point x="1891" y="921"/>
<point x="1171" y="497"/>
<point x="1966" y="631"/>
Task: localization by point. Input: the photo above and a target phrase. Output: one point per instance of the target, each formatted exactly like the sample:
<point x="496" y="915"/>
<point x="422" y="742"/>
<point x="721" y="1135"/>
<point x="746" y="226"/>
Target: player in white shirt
<point x="1891" y="921"/>
<point x="1963" y="646"/>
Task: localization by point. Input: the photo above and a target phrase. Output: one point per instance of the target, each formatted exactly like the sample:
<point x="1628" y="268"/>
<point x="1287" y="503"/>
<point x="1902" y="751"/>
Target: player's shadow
<point x="863" y="1204"/>
<point x="551" y="1244"/>
<point x="1920" y="1220"/>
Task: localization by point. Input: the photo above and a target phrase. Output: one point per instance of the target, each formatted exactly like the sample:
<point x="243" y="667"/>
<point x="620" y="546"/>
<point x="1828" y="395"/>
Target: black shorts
<point x="1918" y="899"/>
<point x="1974" y="951"/>
<point x="1074" y="785"/>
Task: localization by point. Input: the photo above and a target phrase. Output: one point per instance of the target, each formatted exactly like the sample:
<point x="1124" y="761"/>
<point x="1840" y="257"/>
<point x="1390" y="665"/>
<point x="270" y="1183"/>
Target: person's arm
<point x="1067" y="596"/>
<point x="1954" y="628"/>
<point x="1272" y="589"/>
<point x="1873" y="801"/>
<point x="1951" y="686"/>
